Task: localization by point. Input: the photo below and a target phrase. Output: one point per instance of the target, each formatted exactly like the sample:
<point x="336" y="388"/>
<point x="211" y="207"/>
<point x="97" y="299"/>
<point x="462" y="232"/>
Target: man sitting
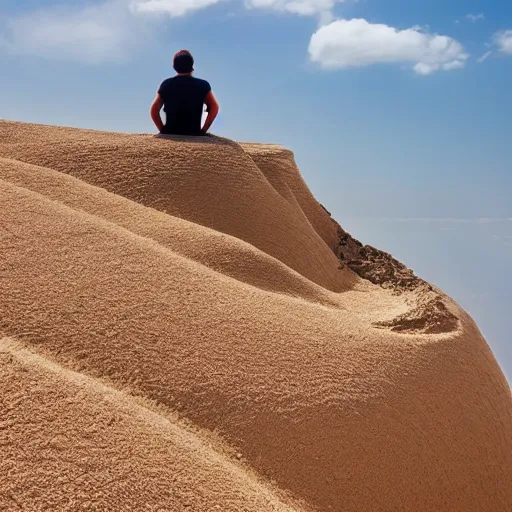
<point x="183" y="98"/>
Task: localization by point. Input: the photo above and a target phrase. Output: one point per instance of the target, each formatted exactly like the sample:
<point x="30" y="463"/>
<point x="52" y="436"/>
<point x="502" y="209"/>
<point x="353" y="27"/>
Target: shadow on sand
<point x="202" y="139"/>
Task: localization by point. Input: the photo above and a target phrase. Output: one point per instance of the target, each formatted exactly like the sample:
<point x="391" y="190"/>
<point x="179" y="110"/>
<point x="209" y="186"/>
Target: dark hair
<point x="183" y="62"/>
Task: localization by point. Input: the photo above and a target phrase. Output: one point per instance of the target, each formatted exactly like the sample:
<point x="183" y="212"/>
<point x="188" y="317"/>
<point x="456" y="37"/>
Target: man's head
<point x="183" y="62"/>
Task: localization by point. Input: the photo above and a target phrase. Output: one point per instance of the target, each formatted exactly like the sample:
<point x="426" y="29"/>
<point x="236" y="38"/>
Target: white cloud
<point x="112" y="30"/>
<point x="95" y="33"/>
<point x="105" y="31"/>
<point x="475" y="17"/>
<point x="357" y="43"/>
<point x="173" y="8"/>
<point x="504" y="41"/>
<point x="454" y="64"/>
<point x="422" y="68"/>
<point x="322" y="8"/>
<point x="484" y="57"/>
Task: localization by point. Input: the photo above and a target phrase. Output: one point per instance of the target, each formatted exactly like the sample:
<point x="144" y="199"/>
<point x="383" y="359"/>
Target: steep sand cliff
<point x="184" y="327"/>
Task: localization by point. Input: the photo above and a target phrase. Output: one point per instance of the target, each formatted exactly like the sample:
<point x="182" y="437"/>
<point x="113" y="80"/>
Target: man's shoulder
<point x="171" y="79"/>
<point x="166" y="83"/>
<point x="203" y="82"/>
<point x="200" y="83"/>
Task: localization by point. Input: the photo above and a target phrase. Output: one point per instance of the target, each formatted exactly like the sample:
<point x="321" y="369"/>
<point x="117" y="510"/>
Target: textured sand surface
<point x="95" y="448"/>
<point x="184" y="327"/>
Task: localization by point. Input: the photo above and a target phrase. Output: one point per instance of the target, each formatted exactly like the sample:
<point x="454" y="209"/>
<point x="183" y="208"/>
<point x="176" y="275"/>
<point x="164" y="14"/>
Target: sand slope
<point x="189" y="287"/>
<point x="72" y="443"/>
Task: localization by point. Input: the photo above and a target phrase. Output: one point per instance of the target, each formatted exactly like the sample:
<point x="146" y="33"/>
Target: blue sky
<point x="398" y="111"/>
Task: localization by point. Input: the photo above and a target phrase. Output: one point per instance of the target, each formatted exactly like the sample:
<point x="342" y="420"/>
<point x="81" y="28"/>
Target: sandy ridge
<point x="338" y="413"/>
<point x="223" y="253"/>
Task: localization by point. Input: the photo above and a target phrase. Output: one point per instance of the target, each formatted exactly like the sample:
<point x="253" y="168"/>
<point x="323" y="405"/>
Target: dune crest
<point x="163" y="289"/>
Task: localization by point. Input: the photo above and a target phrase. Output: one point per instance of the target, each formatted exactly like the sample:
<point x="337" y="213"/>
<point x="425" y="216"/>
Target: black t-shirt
<point x="183" y="98"/>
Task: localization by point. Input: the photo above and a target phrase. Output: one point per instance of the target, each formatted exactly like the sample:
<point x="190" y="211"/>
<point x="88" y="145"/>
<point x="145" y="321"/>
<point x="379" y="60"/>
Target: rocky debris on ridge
<point x="374" y="265"/>
<point x="429" y="316"/>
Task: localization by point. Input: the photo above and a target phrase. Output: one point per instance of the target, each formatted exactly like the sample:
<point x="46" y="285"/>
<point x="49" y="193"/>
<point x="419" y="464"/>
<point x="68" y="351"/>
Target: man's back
<point x="183" y="97"/>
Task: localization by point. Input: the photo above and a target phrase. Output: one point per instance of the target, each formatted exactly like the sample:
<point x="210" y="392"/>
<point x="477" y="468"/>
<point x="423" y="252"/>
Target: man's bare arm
<point x="212" y="109"/>
<point x="155" y="109"/>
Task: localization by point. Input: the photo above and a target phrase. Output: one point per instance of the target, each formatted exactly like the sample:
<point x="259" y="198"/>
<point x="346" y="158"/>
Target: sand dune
<point x="75" y="444"/>
<point x="185" y="328"/>
<point x="226" y="254"/>
<point x="214" y="184"/>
